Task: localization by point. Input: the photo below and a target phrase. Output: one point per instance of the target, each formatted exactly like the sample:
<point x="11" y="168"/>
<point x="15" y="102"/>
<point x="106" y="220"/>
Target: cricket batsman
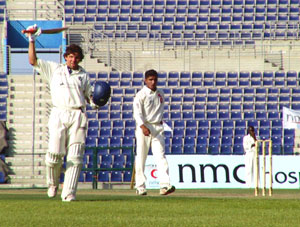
<point x="70" y="90"/>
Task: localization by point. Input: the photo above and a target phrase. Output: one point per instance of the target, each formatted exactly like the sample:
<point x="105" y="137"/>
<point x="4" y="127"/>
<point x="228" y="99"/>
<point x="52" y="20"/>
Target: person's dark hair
<point x="250" y="128"/>
<point x="73" y="48"/>
<point x="150" y="72"/>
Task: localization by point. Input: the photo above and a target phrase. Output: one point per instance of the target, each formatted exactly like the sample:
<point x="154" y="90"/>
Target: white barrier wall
<point x="221" y="171"/>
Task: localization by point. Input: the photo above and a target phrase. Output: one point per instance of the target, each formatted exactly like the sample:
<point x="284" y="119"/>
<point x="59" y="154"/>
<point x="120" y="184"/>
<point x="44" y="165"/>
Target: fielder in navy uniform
<point x="148" y="108"/>
<point x="70" y="92"/>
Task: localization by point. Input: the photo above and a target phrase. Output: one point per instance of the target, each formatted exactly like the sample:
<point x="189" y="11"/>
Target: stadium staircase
<point x="29" y="9"/>
<point x="25" y="158"/>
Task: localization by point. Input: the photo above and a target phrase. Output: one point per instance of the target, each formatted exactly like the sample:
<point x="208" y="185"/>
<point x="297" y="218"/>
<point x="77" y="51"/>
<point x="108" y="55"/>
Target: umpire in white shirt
<point x="148" y="108"/>
<point x="249" y="149"/>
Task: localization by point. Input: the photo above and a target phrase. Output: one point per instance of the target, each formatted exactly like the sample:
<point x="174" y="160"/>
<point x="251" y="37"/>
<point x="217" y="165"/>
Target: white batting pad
<point x="74" y="165"/>
<point x="53" y="168"/>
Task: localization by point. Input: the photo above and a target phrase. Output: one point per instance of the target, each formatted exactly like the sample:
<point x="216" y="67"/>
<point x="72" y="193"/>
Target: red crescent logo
<point x="153" y="173"/>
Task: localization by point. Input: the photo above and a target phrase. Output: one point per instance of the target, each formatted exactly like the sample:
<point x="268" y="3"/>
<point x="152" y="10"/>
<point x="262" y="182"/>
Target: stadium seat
<point x="103" y="176"/>
<point x="213" y="149"/>
<point x="288" y="149"/>
<point x="225" y="150"/>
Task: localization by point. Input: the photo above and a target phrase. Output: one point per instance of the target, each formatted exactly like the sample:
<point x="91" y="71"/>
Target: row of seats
<point x="194" y="11"/>
<point x="201" y="124"/>
<point x="198" y="75"/>
<point x="116" y="140"/>
<point x="281" y="100"/>
<point x="109" y="136"/>
<point x="103" y="176"/>
<point x="225" y="150"/>
<point x="205" y="39"/>
<point x="77" y="18"/>
<point x="192" y="145"/>
<point x="199" y="115"/>
<point x="197" y="28"/>
<point x="179" y="3"/>
<point x="210" y="83"/>
<point x="294" y="92"/>
<point x="191" y="107"/>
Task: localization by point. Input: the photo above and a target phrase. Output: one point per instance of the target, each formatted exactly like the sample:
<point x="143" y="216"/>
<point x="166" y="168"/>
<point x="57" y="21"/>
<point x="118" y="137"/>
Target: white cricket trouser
<point x="250" y="169"/>
<point x="67" y="132"/>
<point x="157" y="142"/>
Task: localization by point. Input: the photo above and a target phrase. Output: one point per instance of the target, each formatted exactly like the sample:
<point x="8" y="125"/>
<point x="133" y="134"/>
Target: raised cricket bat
<point x="46" y="31"/>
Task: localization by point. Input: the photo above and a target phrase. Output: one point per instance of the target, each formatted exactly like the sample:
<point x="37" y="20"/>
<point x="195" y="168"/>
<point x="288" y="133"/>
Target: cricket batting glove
<point x="33" y="36"/>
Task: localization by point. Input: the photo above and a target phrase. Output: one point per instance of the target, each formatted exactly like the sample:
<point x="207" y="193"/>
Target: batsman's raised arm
<point x="31" y="38"/>
<point x="32" y="54"/>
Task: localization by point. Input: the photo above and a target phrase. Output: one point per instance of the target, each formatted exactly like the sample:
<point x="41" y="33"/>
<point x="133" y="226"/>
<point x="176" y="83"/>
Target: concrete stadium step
<point x="27" y="144"/>
<point x="29" y="103"/>
<point x="40" y="113"/>
<point x="21" y="185"/>
<point x="21" y="158"/>
<point x="27" y="135"/>
<point x="40" y="179"/>
<point x="18" y="119"/>
<point x="27" y="171"/>
<point x="19" y="151"/>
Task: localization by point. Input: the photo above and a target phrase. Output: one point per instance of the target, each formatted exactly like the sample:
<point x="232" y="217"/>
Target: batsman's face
<point x="72" y="60"/>
<point x="151" y="82"/>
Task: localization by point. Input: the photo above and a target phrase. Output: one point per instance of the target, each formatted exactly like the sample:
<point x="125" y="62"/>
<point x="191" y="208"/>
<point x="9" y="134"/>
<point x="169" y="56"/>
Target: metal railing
<point x="95" y="169"/>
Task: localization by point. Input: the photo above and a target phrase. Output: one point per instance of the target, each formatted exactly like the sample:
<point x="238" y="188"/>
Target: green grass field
<point x="123" y="208"/>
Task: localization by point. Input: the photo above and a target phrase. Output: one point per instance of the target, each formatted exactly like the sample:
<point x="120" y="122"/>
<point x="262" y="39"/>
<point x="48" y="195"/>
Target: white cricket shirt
<point x="248" y="141"/>
<point x="148" y="106"/>
<point x="68" y="90"/>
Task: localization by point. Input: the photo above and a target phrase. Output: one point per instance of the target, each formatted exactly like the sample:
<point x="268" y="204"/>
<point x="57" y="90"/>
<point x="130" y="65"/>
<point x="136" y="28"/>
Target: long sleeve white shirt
<point x="68" y="90"/>
<point x="148" y="106"/>
<point x="248" y="141"/>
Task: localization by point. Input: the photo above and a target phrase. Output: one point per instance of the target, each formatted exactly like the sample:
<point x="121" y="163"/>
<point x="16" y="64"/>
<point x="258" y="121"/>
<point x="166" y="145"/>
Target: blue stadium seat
<point x="127" y="141"/>
<point x="225" y="150"/>
<point x="91" y="141"/>
<point x="238" y="140"/>
<point x="190" y="132"/>
<point x="176" y="149"/>
<point x="201" y="149"/>
<point x="127" y="176"/>
<point x="226" y="140"/>
<point x="202" y="132"/>
<point x="213" y="149"/>
<point x="238" y="149"/>
<point x="116" y="176"/>
<point x="178" y="132"/>
<point x="201" y="141"/>
<point x="288" y="149"/>
<point x="227" y="132"/>
<point x="103" y="176"/>
<point x="261" y="115"/>
<point x="224" y="115"/>
<point x="289" y="132"/>
<point x="239" y="132"/>
<point x="214" y="141"/>
<point x="189" y="141"/>
<point x="228" y="124"/>
<point x="115" y="141"/>
<point x="236" y="115"/>
<point x="276" y="148"/>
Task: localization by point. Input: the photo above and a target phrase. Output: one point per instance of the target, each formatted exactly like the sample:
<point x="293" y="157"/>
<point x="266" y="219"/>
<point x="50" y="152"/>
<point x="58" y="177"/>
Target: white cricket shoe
<point x="69" y="198"/>
<point x="52" y="191"/>
<point x="167" y="190"/>
<point x="141" y="191"/>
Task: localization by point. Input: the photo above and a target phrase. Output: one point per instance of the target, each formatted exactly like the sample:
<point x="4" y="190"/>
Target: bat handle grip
<point x="32" y="31"/>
